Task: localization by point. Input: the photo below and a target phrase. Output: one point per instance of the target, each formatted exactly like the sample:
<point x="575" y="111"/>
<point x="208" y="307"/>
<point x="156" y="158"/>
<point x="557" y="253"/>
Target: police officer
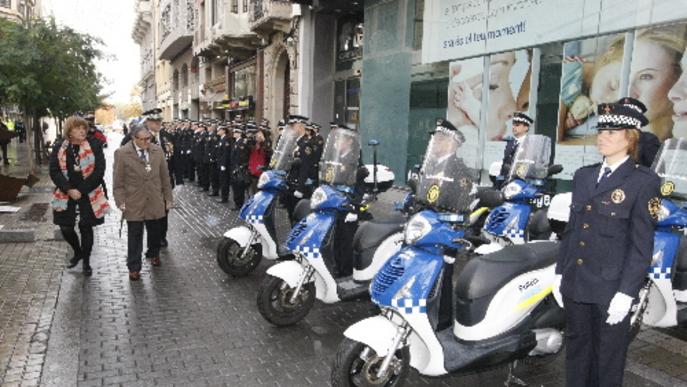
<point x="606" y="250"/>
<point x="212" y="146"/>
<point x="223" y="163"/>
<point x="203" y="159"/>
<point x="238" y="161"/>
<point x="521" y="126"/>
<point x="648" y="142"/>
<point x="300" y="168"/>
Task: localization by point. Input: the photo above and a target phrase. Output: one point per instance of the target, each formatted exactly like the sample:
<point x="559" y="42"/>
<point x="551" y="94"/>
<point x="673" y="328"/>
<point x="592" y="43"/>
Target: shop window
<point x="243" y="82"/>
<point x="347" y="102"/>
<point x="6" y="3"/>
<point x="245" y="6"/>
<point x="235" y="6"/>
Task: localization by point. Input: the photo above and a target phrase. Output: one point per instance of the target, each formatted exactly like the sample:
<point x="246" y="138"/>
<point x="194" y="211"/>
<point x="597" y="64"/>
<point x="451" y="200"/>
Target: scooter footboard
<point x="376" y="332"/>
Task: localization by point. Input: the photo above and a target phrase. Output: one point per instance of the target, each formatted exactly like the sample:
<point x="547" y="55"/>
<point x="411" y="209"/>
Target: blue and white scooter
<point x="242" y="247"/>
<point x="323" y="251"/>
<point x="520" y="216"/>
<point x="502" y="304"/>
<point x="663" y="299"/>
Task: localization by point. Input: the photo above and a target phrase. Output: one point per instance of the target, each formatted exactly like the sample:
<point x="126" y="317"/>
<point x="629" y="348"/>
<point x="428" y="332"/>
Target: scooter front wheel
<point x="274" y="301"/>
<point x="357" y="365"/>
<point x="236" y="260"/>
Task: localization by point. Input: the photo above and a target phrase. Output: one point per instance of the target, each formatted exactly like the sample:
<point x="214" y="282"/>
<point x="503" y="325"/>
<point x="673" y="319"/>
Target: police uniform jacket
<point x="198" y="146"/>
<point x="238" y="158"/>
<point x="608" y="243"/>
<point x="308" y="167"/>
<point x="209" y="148"/>
<point x="223" y="152"/>
<point x="508" y="155"/>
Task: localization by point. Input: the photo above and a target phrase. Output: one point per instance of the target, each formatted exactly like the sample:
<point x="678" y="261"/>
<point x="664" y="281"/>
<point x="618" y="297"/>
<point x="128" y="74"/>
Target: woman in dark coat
<point x="77" y="166"/>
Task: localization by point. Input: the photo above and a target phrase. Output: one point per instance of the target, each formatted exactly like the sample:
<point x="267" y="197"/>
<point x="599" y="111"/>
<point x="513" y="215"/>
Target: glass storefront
<point x="476" y="75"/>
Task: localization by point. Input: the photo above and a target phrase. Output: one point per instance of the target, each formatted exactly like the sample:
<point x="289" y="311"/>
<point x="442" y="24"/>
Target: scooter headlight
<point x="416" y="228"/>
<point x="511" y="189"/>
<point x="264" y="178"/>
<point x="317" y="198"/>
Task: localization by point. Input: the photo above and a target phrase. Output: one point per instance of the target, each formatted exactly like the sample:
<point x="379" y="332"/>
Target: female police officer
<point x="606" y="250"/>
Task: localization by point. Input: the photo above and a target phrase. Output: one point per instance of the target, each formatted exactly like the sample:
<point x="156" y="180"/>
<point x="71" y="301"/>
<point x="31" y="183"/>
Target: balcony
<point x="176" y="27"/>
<point x="231" y="36"/>
<point x="217" y="85"/>
<point x="270" y="15"/>
<point x="142" y="25"/>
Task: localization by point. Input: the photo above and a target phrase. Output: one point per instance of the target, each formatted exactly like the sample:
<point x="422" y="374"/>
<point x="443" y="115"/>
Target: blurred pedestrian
<point x="260" y="154"/>
<point x="5" y="138"/>
<point x="77" y="166"/>
<point x="142" y="190"/>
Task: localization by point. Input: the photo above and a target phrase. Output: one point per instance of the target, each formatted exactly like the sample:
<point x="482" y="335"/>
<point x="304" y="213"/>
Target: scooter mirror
<point x="555" y="169"/>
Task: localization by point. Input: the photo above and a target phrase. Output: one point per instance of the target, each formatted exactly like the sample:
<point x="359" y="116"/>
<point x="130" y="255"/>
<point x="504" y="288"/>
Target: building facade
<point x="144" y="36"/>
<point x="20" y="10"/>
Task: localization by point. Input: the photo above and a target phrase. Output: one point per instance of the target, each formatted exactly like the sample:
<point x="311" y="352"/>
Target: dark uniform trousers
<point x="224" y="184"/>
<point x="214" y="177"/>
<point x="135" y="241"/>
<point x="594" y="346"/>
<point x="606" y="249"/>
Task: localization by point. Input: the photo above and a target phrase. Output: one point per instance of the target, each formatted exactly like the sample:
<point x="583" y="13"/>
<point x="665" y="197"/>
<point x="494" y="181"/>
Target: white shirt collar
<point x="613" y="167"/>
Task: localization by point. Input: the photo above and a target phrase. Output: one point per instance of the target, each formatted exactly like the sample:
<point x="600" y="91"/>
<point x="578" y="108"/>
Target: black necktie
<point x="607" y="172"/>
<point x="142" y="155"/>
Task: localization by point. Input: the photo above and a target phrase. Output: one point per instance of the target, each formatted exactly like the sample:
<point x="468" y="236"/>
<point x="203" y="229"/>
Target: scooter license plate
<point x="541" y="201"/>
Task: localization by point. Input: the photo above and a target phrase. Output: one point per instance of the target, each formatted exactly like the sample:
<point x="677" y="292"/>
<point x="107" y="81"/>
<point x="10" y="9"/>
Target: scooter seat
<point x="484" y="276"/>
<point x="371" y="234"/>
<point x="301" y="210"/>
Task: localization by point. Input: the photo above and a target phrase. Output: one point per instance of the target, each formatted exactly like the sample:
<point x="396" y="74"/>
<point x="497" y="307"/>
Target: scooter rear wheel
<point x="356" y="365"/>
<point x="230" y="260"/>
<point x="274" y="301"/>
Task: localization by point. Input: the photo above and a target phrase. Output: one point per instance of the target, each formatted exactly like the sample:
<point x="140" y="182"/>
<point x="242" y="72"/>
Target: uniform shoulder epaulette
<point x="596" y="165"/>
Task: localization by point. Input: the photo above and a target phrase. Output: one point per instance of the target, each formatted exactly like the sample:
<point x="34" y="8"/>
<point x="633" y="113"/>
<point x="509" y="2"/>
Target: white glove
<point x="298" y="194"/>
<point x="351" y="217"/>
<point x="223" y="168"/>
<point x="557" y="290"/>
<point x="188" y="152"/>
<point x="619" y="308"/>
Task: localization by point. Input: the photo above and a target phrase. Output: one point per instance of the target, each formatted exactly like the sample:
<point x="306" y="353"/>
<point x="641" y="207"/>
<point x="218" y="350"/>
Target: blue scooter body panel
<point x="308" y="234"/>
<point x="508" y="220"/>
<point x="254" y="209"/>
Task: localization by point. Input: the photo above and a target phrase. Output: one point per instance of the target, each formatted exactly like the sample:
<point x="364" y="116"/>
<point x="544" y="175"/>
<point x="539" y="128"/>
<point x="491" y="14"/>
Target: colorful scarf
<point x="87" y="164"/>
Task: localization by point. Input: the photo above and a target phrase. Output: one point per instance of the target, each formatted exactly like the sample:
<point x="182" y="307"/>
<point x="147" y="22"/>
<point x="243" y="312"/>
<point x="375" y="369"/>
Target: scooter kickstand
<point x="512" y="379"/>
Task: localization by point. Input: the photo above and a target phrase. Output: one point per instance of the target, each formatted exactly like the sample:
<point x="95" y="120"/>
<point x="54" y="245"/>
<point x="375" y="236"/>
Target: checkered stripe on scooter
<point x="660" y="273"/>
<point x="515" y="235"/>
<point x="255" y="219"/>
<point x="309" y="252"/>
<point x="410" y="306"/>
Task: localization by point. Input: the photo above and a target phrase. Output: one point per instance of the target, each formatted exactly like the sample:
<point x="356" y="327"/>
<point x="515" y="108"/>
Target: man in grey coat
<point x="142" y="190"/>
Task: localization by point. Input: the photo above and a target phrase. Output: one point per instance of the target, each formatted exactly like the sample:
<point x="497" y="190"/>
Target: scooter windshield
<point x="445" y="181"/>
<point x="532" y="158"/>
<point x="283" y="153"/>
<point x="670" y="165"/>
<point x="340" y="157"/>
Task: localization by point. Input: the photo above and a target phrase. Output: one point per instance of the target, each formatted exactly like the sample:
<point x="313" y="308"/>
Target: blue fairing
<point x="275" y="181"/>
<point x="442" y="233"/>
<point x="677" y="217"/>
<point x="508" y="220"/>
<point x="666" y="245"/>
<point x="309" y="233"/>
<point x="528" y="191"/>
<point x="254" y="209"/>
<point x="334" y="199"/>
<point x="410" y="264"/>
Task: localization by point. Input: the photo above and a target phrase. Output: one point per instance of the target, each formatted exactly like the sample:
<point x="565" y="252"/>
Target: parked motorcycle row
<point x="463" y="280"/>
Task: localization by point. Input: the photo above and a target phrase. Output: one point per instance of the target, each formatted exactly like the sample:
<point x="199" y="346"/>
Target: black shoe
<point x="74" y="261"/>
<point x="222" y="201"/>
<point x="214" y="194"/>
<point x="163" y="243"/>
<point x="87" y="271"/>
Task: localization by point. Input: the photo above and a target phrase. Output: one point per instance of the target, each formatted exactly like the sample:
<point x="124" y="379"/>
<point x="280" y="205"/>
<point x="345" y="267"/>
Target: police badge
<point x="667" y="188"/>
<point x="433" y="194"/>
<point x="654" y="207"/>
<point x="618" y="196"/>
<point x="329" y="174"/>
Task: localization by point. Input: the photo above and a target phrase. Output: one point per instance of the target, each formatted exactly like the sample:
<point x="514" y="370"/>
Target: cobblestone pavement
<point x="187" y="323"/>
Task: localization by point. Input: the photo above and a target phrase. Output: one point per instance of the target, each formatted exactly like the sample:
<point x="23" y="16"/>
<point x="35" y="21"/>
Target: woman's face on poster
<point x="501" y="99"/>
<point x="605" y="83"/>
<point x="651" y="75"/>
<point x="678" y="96"/>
